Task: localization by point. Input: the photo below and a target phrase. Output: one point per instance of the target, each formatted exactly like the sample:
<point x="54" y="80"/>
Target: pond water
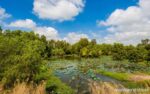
<point x="78" y="74"/>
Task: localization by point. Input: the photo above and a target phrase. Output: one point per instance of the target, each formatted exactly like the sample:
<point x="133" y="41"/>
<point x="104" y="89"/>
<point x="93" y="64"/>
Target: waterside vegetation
<point x="27" y="59"/>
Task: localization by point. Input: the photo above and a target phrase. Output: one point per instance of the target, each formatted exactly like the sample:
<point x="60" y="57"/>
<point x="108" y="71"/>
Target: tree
<point x="106" y="49"/>
<point x="58" y="52"/>
<point x="148" y="57"/>
<point x="43" y="38"/>
<point x="137" y="55"/>
<point x="93" y="42"/>
<point x="83" y="42"/>
<point x="145" y="41"/>
<point x="118" y="52"/>
<point x="23" y="52"/>
<point x="84" y="52"/>
<point x="148" y="52"/>
<point x="95" y="51"/>
<point x="128" y="50"/>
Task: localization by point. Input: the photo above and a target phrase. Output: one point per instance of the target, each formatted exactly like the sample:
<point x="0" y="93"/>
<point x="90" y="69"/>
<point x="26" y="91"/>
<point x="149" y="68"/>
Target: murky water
<point x="79" y="74"/>
<point x="70" y="73"/>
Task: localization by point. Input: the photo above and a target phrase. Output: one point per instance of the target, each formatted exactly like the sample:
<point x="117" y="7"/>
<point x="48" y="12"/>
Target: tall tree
<point x="145" y="41"/>
<point x="93" y="42"/>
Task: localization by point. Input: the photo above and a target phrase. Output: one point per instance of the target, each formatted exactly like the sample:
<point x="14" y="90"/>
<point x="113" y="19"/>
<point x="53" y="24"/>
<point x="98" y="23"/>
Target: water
<point x="77" y="74"/>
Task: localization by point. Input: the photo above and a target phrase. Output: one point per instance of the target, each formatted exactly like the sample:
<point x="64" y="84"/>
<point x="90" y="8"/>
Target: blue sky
<point x="83" y="20"/>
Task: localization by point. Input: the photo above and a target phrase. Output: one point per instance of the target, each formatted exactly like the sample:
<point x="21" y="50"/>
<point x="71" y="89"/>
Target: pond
<point x="78" y="73"/>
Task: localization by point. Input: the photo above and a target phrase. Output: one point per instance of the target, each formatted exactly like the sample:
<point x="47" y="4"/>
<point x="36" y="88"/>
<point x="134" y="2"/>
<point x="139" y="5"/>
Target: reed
<point x="110" y="88"/>
<point x="23" y="88"/>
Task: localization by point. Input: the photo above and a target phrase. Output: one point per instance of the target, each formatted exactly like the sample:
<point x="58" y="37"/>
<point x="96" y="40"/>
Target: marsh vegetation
<point x="30" y="63"/>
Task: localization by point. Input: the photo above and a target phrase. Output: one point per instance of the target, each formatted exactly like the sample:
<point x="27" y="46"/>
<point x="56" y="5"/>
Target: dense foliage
<point x="21" y="56"/>
<point x="86" y="48"/>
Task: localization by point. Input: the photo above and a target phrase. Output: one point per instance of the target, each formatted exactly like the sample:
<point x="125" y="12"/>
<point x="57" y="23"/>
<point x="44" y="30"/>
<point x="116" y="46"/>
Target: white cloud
<point x="49" y="32"/>
<point x="28" y="23"/>
<point x="74" y="37"/>
<point x="128" y="26"/>
<point x="60" y="10"/>
<point x="3" y="14"/>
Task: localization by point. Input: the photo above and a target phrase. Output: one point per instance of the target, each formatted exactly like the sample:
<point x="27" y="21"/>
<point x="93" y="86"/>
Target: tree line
<point x="90" y="49"/>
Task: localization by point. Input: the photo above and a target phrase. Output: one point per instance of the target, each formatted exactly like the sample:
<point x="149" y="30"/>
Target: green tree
<point x="23" y="54"/>
<point x="148" y="52"/>
<point x="137" y="55"/>
<point x="128" y="50"/>
<point x="84" y="52"/>
<point x="93" y="42"/>
<point x="118" y="52"/>
<point x="106" y="49"/>
<point x="43" y="38"/>
<point x="145" y="41"/>
<point x="95" y="51"/>
<point x="58" y="52"/>
<point x="83" y="42"/>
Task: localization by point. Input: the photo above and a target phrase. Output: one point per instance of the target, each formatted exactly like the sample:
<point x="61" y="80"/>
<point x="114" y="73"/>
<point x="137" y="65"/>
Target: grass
<point x="58" y="87"/>
<point x="140" y="84"/>
<point x="52" y="86"/>
<point x="125" y="79"/>
<point x="115" y="75"/>
<point x="24" y="88"/>
<point x="109" y="88"/>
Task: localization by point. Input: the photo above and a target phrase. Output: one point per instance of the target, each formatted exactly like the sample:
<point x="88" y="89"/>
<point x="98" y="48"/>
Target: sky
<point x="108" y="21"/>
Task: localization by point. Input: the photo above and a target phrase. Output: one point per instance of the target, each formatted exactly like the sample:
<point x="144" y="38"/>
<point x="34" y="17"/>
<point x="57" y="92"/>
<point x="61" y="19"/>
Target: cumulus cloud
<point x="3" y="14"/>
<point x="60" y="10"/>
<point x="130" y="25"/>
<point x="49" y="32"/>
<point x="27" y="23"/>
<point x="74" y="37"/>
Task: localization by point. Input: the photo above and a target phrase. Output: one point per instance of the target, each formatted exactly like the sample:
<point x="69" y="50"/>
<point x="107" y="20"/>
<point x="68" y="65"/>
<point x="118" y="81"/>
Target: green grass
<point x="114" y="75"/>
<point x="124" y="78"/>
<point x="58" y="87"/>
<point x="140" y="84"/>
